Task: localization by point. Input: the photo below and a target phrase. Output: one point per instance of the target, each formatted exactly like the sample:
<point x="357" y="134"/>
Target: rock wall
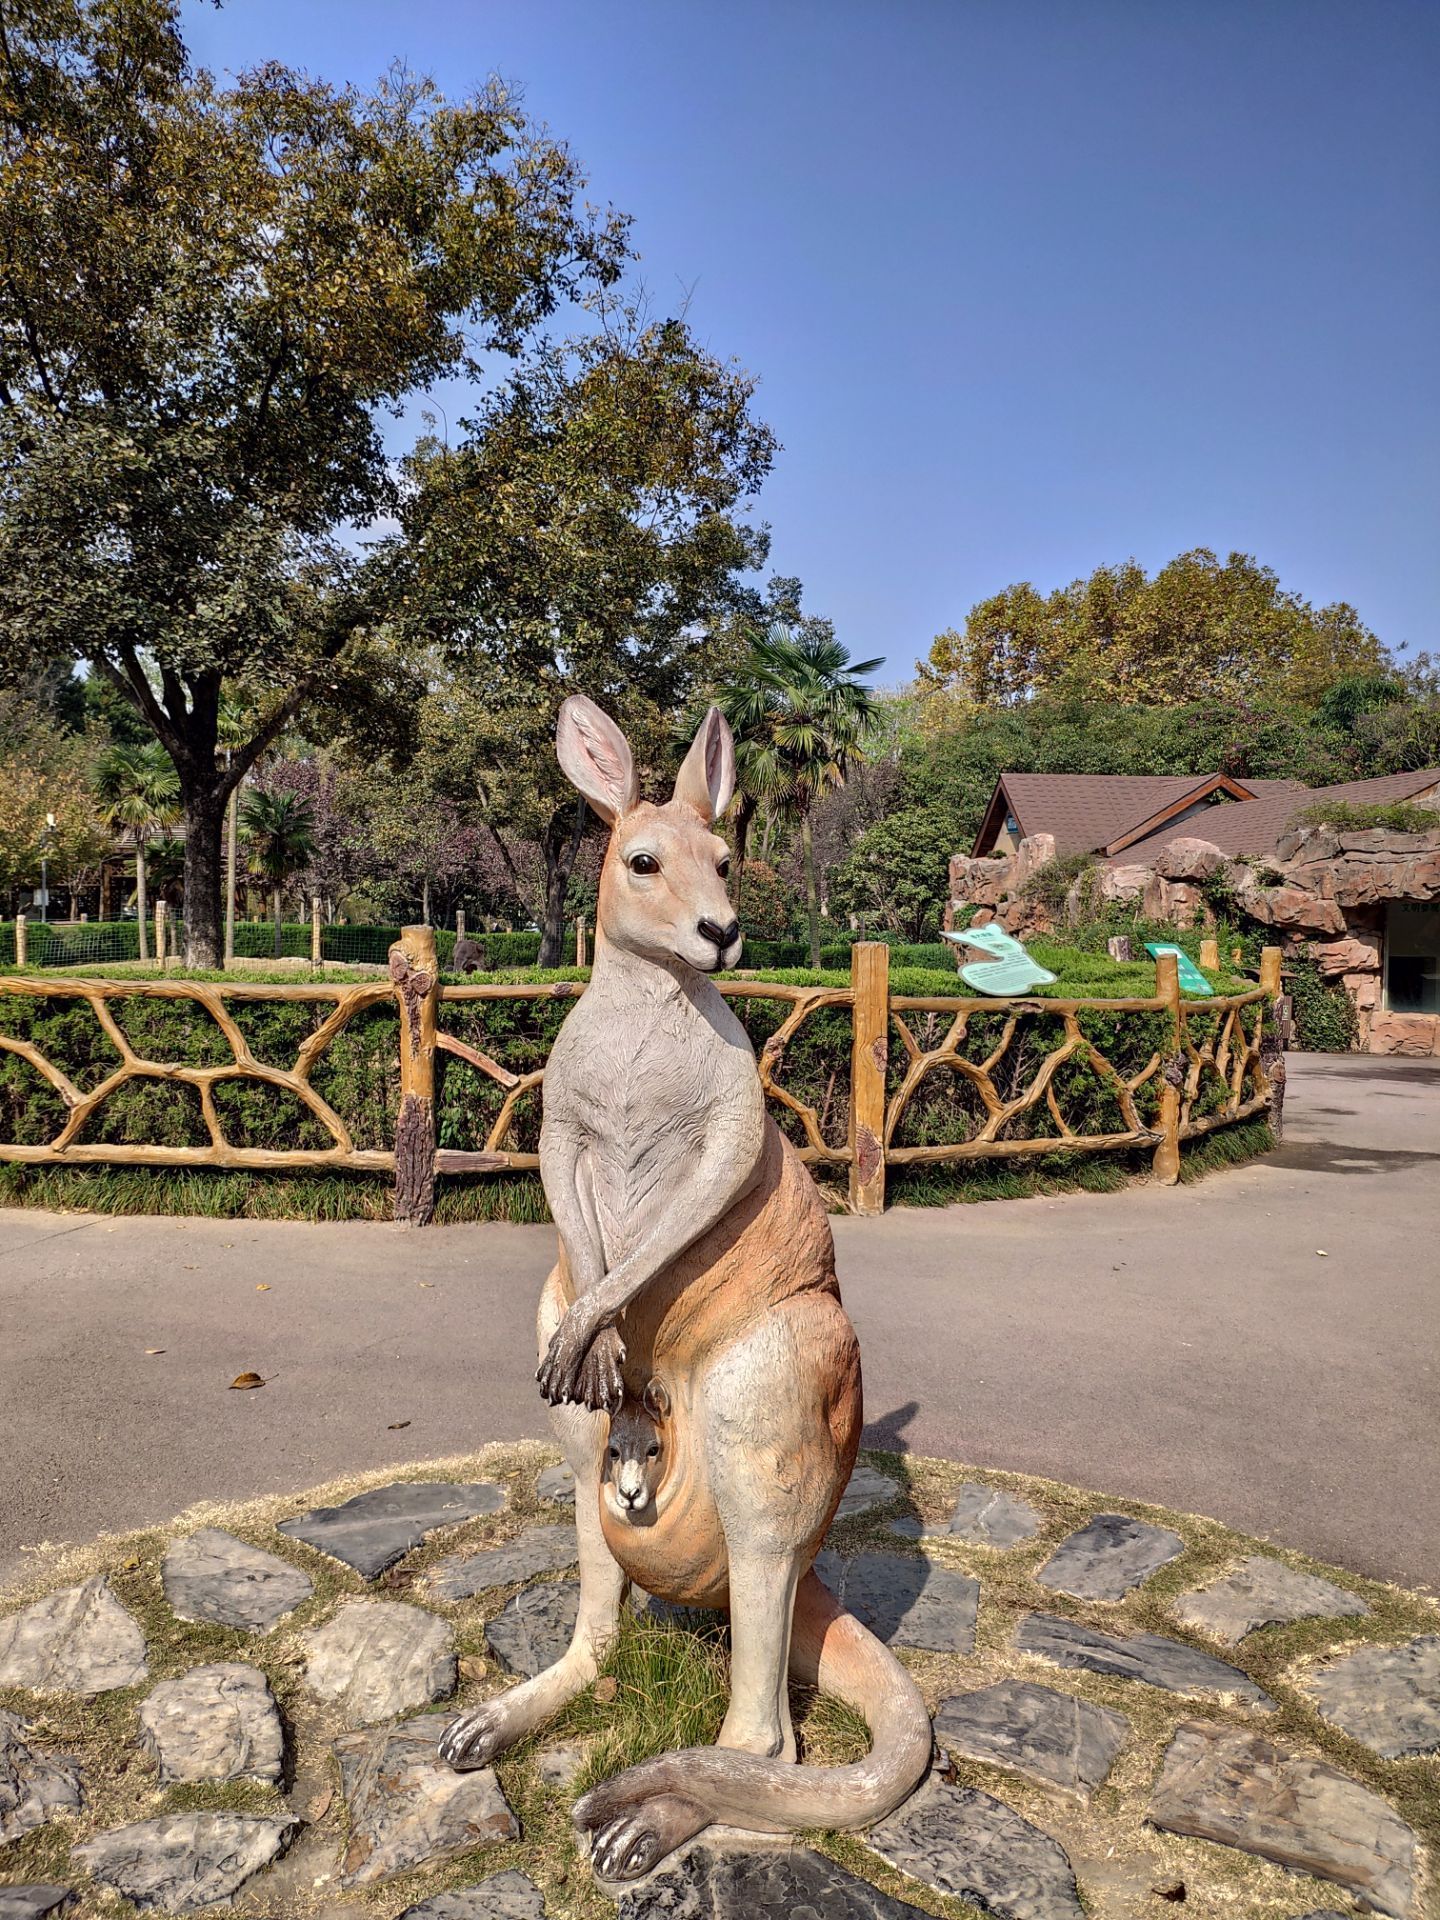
<point x="1323" y="893"/>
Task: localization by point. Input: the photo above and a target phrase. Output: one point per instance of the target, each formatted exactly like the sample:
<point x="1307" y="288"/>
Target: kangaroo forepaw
<point x="629" y="1844"/>
<point x="476" y="1738"/>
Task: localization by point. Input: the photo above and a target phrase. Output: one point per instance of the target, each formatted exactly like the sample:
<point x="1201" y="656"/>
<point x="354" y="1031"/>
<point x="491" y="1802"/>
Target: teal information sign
<point x="1191" y="978"/>
<point x="1009" y="970"/>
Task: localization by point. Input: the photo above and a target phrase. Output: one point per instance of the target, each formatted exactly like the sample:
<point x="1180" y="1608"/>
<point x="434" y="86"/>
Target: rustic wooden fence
<point x="1234" y="1073"/>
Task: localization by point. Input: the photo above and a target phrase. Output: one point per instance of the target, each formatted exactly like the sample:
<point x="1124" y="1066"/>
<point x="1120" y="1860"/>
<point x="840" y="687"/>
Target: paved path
<point x="1189" y="1346"/>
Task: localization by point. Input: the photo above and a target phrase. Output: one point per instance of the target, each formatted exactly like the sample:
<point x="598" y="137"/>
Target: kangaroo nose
<point x="722" y="936"/>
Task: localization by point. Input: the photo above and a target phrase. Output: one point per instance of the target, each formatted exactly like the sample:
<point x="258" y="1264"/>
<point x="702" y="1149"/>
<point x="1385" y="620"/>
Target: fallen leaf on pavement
<point x="154" y="1349"/>
<point x="262" y="1286"/>
<point x="396" y="1425"/>
<point x="245" y="1380"/>
<point x="426" y="1283"/>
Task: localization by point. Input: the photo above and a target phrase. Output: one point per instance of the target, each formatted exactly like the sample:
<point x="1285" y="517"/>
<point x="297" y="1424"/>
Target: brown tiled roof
<point x="1087" y="811"/>
<point x="1250" y="827"/>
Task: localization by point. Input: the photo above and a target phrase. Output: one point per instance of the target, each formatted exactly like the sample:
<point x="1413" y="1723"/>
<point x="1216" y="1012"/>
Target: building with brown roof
<point x="1364" y="903"/>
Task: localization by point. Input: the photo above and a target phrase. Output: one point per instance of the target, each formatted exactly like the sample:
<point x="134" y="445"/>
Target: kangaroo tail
<point x="829" y="1649"/>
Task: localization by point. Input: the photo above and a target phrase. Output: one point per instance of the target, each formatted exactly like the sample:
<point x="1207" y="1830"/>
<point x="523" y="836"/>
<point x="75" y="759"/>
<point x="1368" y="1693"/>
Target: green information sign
<point x="1191" y="978"/>
<point x="1010" y="970"/>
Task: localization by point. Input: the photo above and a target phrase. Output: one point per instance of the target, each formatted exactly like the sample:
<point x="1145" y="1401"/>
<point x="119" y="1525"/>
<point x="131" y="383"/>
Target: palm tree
<point x="800" y="714"/>
<point x="139" y="793"/>
<point x="280" y="828"/>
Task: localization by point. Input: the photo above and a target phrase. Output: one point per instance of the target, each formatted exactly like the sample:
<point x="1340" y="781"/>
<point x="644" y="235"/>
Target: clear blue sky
<point x="1029" y="285"/>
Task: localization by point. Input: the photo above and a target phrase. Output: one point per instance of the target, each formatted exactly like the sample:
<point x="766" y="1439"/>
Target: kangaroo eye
<point x="651" y="1453"/>
<point x="644" y="863"/>
<point x="723" y="869"/>
<point x="614" y="1453"/>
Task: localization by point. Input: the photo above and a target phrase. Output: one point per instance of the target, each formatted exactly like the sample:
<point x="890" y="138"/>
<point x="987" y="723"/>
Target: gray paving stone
<point x="504" y="1896"/>
<point x="34" y="1784"/>
<point x="460" y="1576"/>
<point x="904" y="1599"/>
<point x="380" y="1658"/>
<point x="1048" y="1736"/>
<point x="372" y="1531"/>
<point x="35" y="1901"/>
<point x="981" y="1517"/>
<point x="866" y="1489"/>
<point x="213" y="1723"/>
<point x="1388" y="1698"/>
<point x="1151" y="1657"/>
<point x="80" y="1640"/>
<point x="533" y="1628"/>
<point x="967" y="1844"/>
<point x="709" y="1882"/>
<point x="1108" y="1557"/>
<point x="557" y="1484"/>
<point x="210" y="1575"/>
<point x="185" y="1860"/>
<point x="1223" y="1784"/>
<point x="406" y="1809"/>
<point x="1262" y="1592"/>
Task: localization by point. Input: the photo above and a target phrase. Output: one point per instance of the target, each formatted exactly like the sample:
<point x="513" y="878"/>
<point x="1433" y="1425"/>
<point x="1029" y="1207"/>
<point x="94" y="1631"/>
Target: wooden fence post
<point x="1210" y="955"/>
<point x="1270" y="971"/>
<point x="1172" y="1074"/>
<point x="416" y="973"/>
<point x="459" y="925"/>
<point x="580" y="941"/>
<point x="1275" y="1036"/>
<point x="315" y="960"/>
<point x="21" y="945"/>
<point x="870" y="1045"/>
<point x="160" y="932"/>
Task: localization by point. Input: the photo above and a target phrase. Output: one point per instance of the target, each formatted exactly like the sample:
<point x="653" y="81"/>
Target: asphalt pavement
<point x="1263" y="1346"/>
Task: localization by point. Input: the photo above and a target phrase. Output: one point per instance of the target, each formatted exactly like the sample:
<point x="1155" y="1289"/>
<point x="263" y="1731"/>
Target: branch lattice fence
<point x="417" y="1078"/>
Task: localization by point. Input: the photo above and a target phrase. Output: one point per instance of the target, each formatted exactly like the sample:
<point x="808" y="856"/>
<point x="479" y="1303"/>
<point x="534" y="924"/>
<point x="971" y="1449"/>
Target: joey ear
<point x="595" y="756"/>
<point x="657" y="1400"/>
<point x="706" y="780"/>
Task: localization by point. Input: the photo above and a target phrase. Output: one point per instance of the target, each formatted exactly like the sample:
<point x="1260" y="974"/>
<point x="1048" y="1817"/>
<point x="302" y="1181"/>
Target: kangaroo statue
<point x="696" y="1260"/>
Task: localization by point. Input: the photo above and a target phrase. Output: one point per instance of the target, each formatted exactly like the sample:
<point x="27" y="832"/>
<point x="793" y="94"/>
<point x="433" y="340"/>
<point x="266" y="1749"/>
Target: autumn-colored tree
<point x="1201" y="629"/>
<point x="207" y="291"/>
<point x="47" y="808"/>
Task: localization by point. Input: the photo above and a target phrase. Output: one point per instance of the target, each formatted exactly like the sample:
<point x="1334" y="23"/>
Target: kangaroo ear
<point x="595" y="756"/>
<point x="707" y="778"/>
<point x="657" y="1400"/>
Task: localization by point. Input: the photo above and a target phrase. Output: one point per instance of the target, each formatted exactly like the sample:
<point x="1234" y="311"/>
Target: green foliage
<point x="1325" y="1020"/>
<point x="1202" y="629"/>
<point x="1396" y="816"/>
<point x="1049" y="885"/>
<point x="897" y="872"/>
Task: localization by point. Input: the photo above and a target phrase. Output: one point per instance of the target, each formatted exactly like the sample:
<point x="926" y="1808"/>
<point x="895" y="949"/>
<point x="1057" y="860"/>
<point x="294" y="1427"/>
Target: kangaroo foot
<point x="629" y="1844"/>
<point x="476" y="1738"/>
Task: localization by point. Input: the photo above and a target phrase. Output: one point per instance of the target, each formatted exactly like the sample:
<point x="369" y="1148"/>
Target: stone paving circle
<point x="1132" y="1709"/>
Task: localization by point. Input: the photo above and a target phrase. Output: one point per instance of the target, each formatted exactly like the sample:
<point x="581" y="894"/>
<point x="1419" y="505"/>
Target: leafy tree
<point x="803" y="715"/>
<point x="770" y="905"/>
<point x="579" y="539"/>
<point x="140" y="794"/>
<point x="206" y="292"/>
<point x="47" y="809"/>
<point x="280" y="830"/>
<point x="1202" y="629"/>
<point x="897" y="873"/>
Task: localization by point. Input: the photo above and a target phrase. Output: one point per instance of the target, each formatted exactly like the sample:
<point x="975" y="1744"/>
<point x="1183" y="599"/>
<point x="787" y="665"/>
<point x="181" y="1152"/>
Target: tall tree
<point x="804" y="713"/>
<point x="140" y="794"/>
<point x="280" y="830"/>
<point x="206" y="294"/>
<point x="1201" y="629"/>
<point x="579" y="539"/>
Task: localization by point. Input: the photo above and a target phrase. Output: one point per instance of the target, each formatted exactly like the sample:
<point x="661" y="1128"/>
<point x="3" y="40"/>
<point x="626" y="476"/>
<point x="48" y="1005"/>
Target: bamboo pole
<point x="580" y="940"/>
<point x="315" y="930"/>
<point x="160" y="931"/>
<point x="1167" y="1154"/>
<point x="416" y="974"/>
<point x="21" y="943"/>
<point x="870" y="1029"/>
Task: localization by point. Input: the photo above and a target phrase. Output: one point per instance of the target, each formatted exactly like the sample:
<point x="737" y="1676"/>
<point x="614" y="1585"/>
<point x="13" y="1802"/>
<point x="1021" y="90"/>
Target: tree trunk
<point x="812" y="892"/>
<point x="232" y="844"/>
<point x="744" y="814"/>
<point x="141" y="906"/>
<point x="277" y="900"/>
<point x="204" y="832"/>
<point x="425" y="901"/>
<point x="561" y="845"/>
